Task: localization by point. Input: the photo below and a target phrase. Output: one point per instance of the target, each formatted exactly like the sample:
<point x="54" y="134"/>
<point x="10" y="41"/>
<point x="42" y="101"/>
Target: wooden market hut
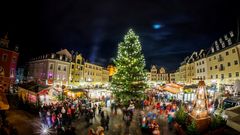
<point x="30" y="92"/>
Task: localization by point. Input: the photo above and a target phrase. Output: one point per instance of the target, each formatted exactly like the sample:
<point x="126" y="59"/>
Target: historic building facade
<point x="156" y="75"/>
<point x="8" y="60"/>
<point x="223" y="64"/>
<point x="51" y="69"/>
<point x="219" y="65"/>
<point x="76" y="76"/>
<point x="93" y="73"/>
<point x="201" y="66"/>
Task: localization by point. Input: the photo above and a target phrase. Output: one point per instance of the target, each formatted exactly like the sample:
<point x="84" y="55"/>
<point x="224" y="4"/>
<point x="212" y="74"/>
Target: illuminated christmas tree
<point x="130" y="80"/>
<point x="200" y="104"/>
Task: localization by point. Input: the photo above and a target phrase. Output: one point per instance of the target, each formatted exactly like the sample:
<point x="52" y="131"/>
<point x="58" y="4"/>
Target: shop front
<point x="33" y="93"/>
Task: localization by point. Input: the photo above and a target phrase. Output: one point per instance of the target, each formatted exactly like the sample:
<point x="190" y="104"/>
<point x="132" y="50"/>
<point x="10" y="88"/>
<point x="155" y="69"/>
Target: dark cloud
<point x="94" y="28"/>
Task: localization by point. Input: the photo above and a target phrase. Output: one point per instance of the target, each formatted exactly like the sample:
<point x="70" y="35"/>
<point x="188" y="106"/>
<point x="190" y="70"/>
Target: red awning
<point x="43" y="92"/>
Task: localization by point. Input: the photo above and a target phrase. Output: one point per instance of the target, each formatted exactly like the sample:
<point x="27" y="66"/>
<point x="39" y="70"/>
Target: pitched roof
<point x="65" y="52"/>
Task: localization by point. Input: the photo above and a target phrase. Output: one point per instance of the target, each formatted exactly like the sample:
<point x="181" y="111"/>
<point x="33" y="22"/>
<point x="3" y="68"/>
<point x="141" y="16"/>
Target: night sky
<point x="169" y="30"/>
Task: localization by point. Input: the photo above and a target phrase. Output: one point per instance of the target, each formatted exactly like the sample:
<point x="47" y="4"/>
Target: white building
<point x="51" y="68"/>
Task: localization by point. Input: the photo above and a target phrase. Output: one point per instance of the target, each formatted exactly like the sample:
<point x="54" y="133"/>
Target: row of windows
<point x="228" y="64"/>
<point x="201" y="77"/>
<point x="5" y="58"/>
<point x="189" y="68"/>
<point x="229" y="75"/>
<point x="200" y="70"/>
<point x="64" y="68"/>
<point x="93" y="67"/>
<point x="199" y="63"/>
<point x="78" y="67"/>
<point x="227" y="53"/>
<point x="92" y="73"/>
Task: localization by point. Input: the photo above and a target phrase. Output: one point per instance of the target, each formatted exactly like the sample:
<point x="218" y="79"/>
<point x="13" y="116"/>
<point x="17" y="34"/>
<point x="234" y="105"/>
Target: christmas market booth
<point x="189" y="92"/>
<point x="3" y="102"/>
<point x="33" y="92"/>
<point x="173" y="90"/>
<point x="75" y="93"/>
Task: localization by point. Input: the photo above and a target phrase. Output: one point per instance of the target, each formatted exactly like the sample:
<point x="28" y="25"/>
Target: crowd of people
<point x="156" y="106"/>
<point x="59" y="116"/>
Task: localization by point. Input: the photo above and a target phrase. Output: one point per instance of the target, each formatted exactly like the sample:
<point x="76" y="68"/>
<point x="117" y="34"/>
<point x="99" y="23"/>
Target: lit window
<point x="235" y="62"/>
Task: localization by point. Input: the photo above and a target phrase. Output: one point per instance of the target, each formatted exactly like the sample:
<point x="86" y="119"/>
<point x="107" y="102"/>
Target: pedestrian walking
<point x="107" y="122"/>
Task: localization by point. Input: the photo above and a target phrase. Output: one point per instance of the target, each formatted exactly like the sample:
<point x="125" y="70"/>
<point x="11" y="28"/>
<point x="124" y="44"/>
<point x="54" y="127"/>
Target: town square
<point x="120" y="68"/>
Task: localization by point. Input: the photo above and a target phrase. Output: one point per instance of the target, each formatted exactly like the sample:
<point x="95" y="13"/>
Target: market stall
<point x="174" y="90"/>
<point x="75" y="93"/>
<point x="34" y="93"/>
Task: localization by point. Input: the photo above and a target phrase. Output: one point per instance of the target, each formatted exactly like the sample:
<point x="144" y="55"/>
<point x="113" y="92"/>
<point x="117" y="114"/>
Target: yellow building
<point x="92" y="74"/>
<point x="190" y="68"/>
<point x="153" y="73"/>
<point x="148" y="76"/>
<point x="163" y="76"/>
<point x="223" y="63"/>
<point x="105" y="76"/>
<point x="112" y="70"/>
<point x="172" y="78"/>
<point x="182" y="71"/>
<point x="177" y="76"/>
<point x="201" y="66"/>
<point x="156" y="75"/>
<point x="76" y="70"/>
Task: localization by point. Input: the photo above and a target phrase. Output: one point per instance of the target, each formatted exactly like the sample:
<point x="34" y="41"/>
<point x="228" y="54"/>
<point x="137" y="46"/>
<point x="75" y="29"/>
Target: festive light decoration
<point x="200" y="105"/>
<point x="130" y="80"/>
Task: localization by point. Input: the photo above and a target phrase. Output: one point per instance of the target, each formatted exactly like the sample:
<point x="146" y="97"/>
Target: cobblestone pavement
<point x="23" y="121"/>
<point x="117" y="126"/>
<point x="28" y="124"/>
